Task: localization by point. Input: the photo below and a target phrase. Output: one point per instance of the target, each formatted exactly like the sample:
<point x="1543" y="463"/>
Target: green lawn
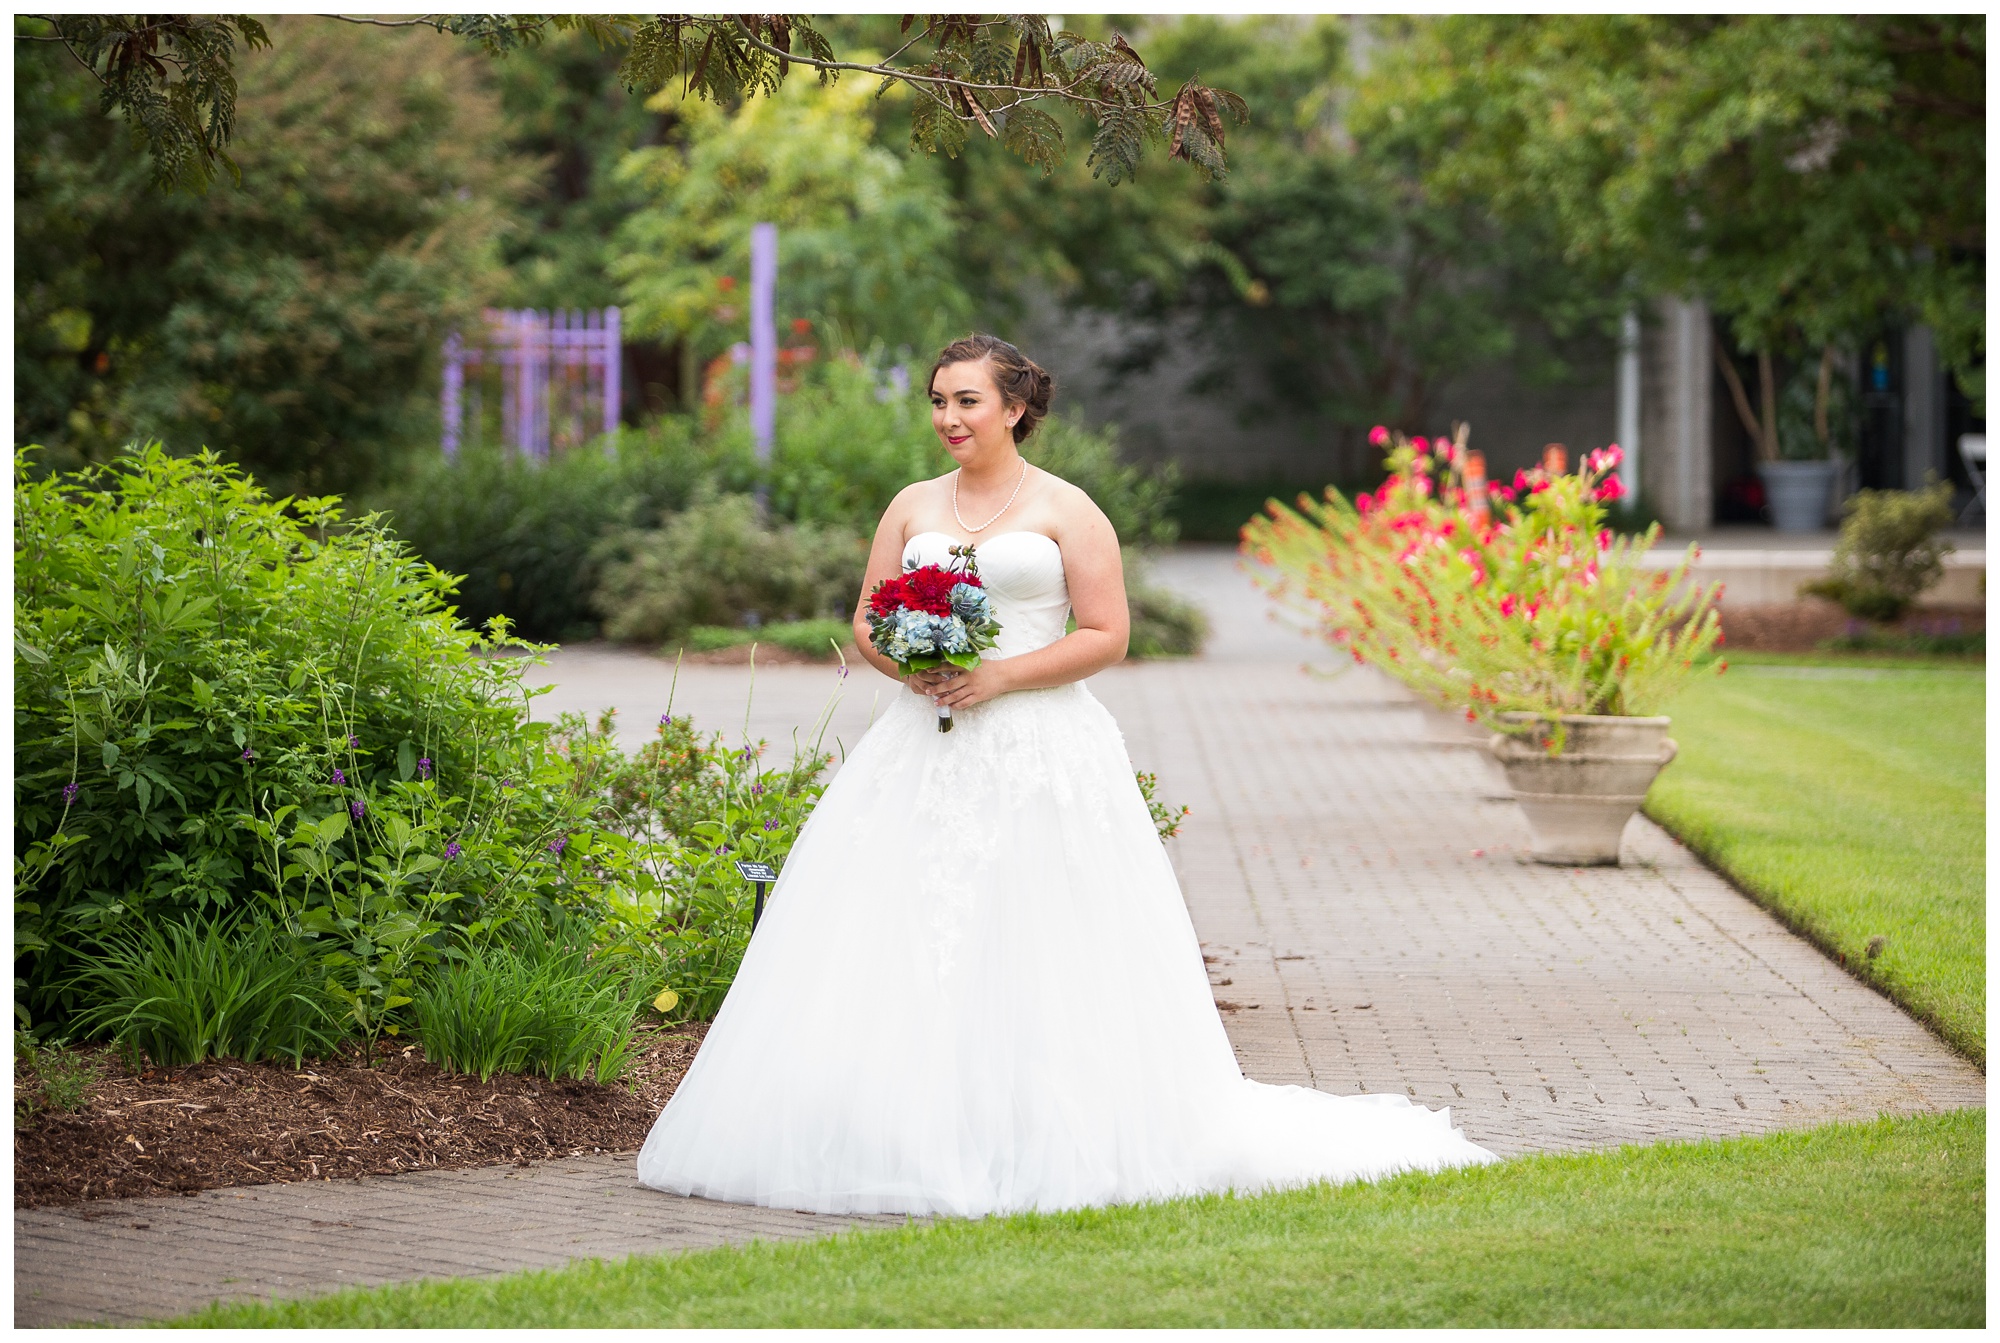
<point x="1849" y="795"/>
<point x="1876" y="1224"/>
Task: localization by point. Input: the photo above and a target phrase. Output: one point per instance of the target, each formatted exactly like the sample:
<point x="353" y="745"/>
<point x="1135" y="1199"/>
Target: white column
<point x="1677" y="479"/>
<point x="1628" y="400"/>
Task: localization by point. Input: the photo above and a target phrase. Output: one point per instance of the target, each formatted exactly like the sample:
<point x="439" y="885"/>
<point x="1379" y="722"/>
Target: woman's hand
<point x="958" y="688"/>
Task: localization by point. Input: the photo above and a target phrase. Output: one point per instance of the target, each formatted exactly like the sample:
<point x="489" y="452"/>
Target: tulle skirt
<point x="976" y="989"/>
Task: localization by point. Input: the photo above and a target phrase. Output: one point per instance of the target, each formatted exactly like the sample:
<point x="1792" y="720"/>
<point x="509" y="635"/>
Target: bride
<point x="976" y="988"/>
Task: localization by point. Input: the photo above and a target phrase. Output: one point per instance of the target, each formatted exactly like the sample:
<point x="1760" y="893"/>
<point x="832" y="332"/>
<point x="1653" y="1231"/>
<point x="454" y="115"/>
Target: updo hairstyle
<point x="1022" y="381"/>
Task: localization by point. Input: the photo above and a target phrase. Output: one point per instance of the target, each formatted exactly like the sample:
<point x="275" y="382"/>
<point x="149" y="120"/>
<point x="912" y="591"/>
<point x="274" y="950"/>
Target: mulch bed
<point x="1803" y="625"/>
<point x="221" y="1124"/>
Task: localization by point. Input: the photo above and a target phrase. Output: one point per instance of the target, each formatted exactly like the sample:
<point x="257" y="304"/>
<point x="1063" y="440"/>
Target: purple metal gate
<point x="559" y="378"/>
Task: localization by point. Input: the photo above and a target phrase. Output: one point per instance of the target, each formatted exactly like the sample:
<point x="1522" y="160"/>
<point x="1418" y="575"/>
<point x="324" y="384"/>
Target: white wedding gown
<point x="976" y="989"/>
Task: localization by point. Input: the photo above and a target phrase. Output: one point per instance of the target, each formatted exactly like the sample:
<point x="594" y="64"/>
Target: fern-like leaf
<point x="1036" y="137"/>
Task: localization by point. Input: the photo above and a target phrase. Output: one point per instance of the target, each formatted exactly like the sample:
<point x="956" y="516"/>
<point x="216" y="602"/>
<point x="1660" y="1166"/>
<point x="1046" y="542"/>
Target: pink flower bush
<point x="1518" y="601"/>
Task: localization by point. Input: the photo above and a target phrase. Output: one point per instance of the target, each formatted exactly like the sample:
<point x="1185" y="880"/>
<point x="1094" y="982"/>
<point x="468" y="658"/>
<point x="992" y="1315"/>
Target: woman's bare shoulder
<point x="1071" y="505"/>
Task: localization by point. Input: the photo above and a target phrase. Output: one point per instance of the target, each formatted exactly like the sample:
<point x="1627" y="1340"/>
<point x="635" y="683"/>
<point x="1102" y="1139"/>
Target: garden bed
<point x="1803" y="625"/>
<point x="221" y="1123"/>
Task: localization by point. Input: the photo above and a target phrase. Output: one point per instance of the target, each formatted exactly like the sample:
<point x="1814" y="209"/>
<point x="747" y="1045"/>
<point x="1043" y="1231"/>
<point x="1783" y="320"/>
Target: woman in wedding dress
<point x="976" y="988"/>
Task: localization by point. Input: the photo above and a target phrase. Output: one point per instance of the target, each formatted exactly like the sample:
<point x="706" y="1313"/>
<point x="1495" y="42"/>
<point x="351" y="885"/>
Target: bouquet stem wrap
<point x="932" y="615"/>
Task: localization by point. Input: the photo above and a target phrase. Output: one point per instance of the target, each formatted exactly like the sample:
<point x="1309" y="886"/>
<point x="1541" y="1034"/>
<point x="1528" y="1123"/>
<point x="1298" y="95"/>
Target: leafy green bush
<point x="815" y="638"/>
<point x="219" y="695"/>
<point x="1164" y="624"/>
<point x="853" y="435"/>
<point x="181" y="993"/>
<point x="717" y="562"/>
<point x="846" y="442"/>
<point x="1138" y="500"/>
<point x="528" y="537"/>
<point x="1889" y="550"/>
<point x="538" y="1001"/>
<point x="712" y="805"/>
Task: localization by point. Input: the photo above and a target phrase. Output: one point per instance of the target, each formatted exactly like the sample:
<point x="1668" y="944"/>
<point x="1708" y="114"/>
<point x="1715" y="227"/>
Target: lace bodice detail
<point x="1024" y="573"/>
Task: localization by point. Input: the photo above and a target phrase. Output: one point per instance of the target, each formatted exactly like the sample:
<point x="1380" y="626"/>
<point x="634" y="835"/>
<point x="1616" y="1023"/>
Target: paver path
<point x="1375" y="923"/>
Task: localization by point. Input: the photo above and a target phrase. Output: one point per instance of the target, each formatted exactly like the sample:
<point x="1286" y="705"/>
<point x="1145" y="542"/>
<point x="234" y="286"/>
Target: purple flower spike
<point x="757" y="789"/>
<point x="452" y="850"/>
<point x="558" y="844"/>
<point x="721" y="849"/>
<point x="69" y="793"/>
<point x="770" y="825"/>
<point x="357" y="808"/>
<point x="424" y="768"/>
<point x="339" y="779"/>
<point x="353" y="741"/>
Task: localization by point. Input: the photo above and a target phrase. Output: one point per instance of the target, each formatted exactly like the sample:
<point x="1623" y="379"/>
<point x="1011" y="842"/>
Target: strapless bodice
<point x="1023" y="572"/>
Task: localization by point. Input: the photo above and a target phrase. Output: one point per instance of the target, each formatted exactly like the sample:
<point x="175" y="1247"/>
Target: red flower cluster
<point x="924" y="589"/>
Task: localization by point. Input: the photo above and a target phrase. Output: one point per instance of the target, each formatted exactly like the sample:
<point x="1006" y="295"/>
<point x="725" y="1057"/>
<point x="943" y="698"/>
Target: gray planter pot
<point x="1800" y="493"/>
<point x="1578" y="802"/>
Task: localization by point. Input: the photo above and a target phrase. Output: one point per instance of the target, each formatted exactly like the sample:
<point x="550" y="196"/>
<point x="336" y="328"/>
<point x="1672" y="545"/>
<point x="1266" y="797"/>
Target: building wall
<point x="1244" y="432"/>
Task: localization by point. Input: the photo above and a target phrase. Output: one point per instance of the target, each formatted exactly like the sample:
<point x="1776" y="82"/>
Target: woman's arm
<point x="1096" y="575"/>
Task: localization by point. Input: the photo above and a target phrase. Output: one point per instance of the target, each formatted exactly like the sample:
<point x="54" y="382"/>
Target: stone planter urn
<point x="1800" y="493"/>
<point x="1578" y="801"/>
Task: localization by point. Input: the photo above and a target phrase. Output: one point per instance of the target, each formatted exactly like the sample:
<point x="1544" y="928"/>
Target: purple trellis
<point x="556" y="368"/>
<point x="763" y="335"/>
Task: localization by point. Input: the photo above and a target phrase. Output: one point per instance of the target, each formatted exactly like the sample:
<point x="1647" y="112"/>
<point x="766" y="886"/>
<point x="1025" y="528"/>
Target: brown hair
<point x="1021" y="380"/>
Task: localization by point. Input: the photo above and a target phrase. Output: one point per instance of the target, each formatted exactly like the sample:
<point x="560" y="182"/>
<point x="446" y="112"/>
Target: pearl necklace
<point x="1003" y="508"/>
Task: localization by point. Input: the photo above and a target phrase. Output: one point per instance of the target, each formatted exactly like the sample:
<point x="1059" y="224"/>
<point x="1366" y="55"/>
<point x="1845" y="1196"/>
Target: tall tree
<point x="1806" y="174"/>
<point x="969" y="73"/>
<point x="865" y="234"/>
<point x="1323" y="262"/>
<point x="291" y="321"/>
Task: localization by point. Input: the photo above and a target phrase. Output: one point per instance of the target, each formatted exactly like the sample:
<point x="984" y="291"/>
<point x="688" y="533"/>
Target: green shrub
<point x="711" y="805"/>
<point x="814" y="638"/>
<point x="528" y="538"/>
<point x="846" y="442"/>
<point x="1138" y="500"/>
<point x="217" y="694"/>
<point x="1164" y="624"/>
<point x="717" y="562"/>
<point x="1889" y="550"/>
<point x="849" y="439"/>
<point x="180" y="993"/>
<point x="538" y="1002"/>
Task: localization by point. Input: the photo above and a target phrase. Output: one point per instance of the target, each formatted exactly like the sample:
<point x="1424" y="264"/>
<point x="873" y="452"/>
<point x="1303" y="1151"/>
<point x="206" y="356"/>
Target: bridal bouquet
<point x="932" y="615"/>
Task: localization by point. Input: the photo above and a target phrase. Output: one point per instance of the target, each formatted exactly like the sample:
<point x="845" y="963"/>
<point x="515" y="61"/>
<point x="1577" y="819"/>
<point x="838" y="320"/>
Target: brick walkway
<point x="1369" y="905"/>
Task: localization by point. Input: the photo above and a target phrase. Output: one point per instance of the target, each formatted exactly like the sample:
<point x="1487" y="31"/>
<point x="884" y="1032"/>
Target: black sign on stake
<point x="763" y="874"/>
